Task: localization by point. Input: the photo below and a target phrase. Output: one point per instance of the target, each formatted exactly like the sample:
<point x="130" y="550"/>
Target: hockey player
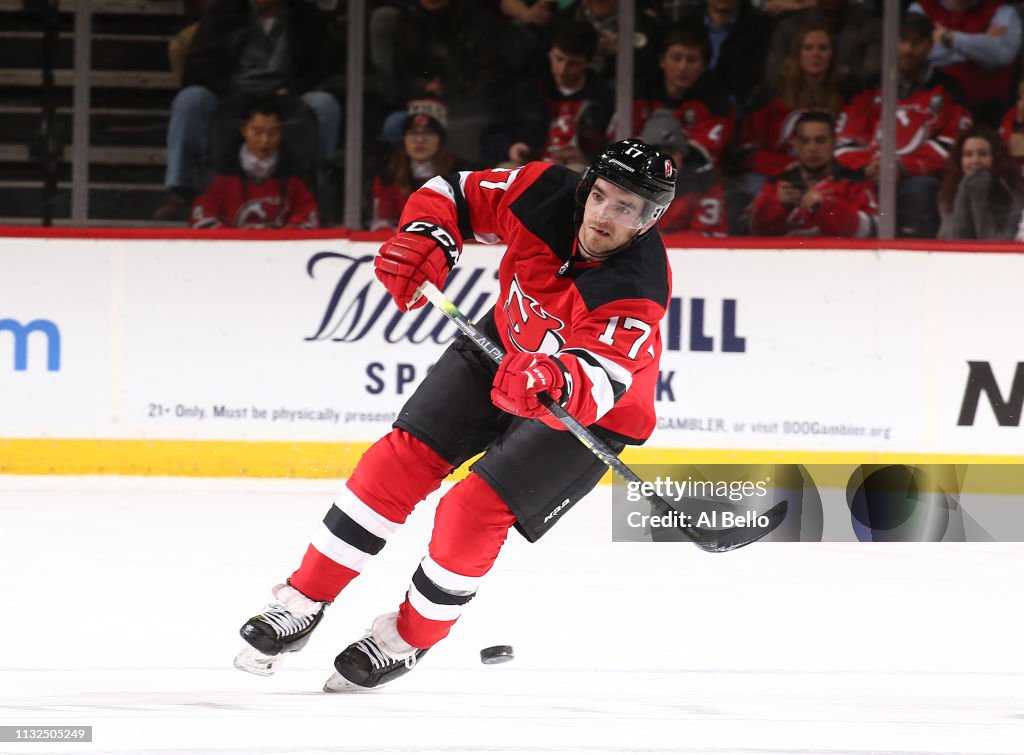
<point x="584" y="285"/>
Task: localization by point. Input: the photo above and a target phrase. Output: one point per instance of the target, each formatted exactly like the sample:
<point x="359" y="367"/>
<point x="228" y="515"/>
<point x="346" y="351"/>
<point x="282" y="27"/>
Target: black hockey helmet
<point x="638" y="168"/>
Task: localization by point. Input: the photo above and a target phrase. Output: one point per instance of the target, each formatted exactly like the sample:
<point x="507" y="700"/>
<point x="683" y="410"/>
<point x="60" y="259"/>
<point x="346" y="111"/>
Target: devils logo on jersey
<point x="530" y="328"/>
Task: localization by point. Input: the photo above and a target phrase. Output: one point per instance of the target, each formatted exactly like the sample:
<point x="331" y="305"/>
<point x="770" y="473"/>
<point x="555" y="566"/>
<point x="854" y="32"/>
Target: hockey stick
<point x="714" y="540"/>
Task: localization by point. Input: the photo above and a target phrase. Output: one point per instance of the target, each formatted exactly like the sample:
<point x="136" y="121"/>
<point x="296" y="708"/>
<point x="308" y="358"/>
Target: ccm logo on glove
<point x="519" y="380"/>
<point x="420" y="252"/>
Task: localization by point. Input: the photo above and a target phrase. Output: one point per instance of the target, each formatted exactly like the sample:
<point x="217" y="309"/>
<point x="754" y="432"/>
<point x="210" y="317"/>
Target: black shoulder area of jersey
<point x="639" y="272"/>
<point x="547" y="209"/>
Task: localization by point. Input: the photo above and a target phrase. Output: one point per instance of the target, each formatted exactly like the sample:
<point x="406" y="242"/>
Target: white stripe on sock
<point x="364" y="516"/>
<point x="449" y="581"/>
<point x="429" y="610"/>
<point x="338" y="550"/>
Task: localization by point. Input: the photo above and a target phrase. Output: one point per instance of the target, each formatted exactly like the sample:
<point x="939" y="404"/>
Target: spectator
<point x="690" y="92"/>
<point x="982" y="192"/>
<point x="977" y="43"/>
<point x="699" y="204"/>
<point x="245" y="47"/>
<point x="257" y="190"/>
<point x="929" y="117"/>
<point x="451" y="50"/>
<point x="809" y="80"/>
<point x="1012" y="127"/>
<point x="818" y="197"/>
<point x="855" y="30"/>
<point x="739" y="36"/>
<point x="421" y="156"/>
<point x="560" y="118"/>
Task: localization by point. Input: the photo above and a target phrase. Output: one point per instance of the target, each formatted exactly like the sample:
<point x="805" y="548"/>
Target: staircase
<point x="131" y="91"/>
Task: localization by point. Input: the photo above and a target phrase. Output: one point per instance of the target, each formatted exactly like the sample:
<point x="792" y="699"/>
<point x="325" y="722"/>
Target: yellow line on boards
<point x="218" y="458"/>
<point x="179" y="458"/>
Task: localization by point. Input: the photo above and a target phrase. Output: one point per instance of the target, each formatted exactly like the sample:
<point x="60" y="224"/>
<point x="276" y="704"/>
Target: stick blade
<point x="729" y="539"/>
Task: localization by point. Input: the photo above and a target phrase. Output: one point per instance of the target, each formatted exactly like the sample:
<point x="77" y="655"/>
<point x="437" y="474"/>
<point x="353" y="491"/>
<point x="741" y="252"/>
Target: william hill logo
<point x="1006" y="406"/>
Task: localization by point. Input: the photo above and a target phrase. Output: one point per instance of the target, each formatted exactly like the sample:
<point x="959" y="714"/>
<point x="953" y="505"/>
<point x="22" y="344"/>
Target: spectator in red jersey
<point x="699" y="205"/>
<point x="561" y="117"/>
<point x="982" y="192"/>
<point x="421" y="156"/>
<point x="818" y="197"/>
<point x="244" y="48"/>
<point x="257" y="191"/>
<point x="694" y="96"/>
<point x="809" y="80"/>
<point x="929" y="117"/>
<point x="977" y="43"/>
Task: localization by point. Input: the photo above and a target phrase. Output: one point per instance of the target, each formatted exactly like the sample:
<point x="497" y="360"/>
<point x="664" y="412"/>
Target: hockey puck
<point x="496" y="654"/>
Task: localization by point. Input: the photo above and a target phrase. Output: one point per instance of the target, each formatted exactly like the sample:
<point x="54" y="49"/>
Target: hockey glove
<point x="520" y="378"/>
<point x="420" y="252"/>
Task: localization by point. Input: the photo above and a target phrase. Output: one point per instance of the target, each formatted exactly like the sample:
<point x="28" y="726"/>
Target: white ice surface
<point x="121" y="600"/>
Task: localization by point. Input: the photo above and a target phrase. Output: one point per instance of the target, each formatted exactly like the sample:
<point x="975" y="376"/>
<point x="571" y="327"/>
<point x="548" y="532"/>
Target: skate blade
<point x="252" y="661"/>
<point x="338" y="683"/>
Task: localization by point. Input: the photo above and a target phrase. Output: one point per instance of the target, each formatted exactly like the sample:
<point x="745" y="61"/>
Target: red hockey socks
<point x="395" y="473"/>
<point x="470" y="527"/>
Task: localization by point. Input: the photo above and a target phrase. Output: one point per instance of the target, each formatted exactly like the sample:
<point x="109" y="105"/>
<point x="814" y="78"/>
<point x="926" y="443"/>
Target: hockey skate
<point x="379" y="657"/>
<point x="283" y="627"/>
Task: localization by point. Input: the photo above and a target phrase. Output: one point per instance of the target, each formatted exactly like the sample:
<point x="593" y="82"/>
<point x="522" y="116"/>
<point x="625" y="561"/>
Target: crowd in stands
<point x="771" y="109"/>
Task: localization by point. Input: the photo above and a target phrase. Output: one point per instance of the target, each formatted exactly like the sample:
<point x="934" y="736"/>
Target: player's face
<point x="814" y="144"/>
<point x="568" y="70"/>
<point x="977" y="155"/>
<point x="422" y="144"/>
<point x="815" y="53"/>
<point x="262" y="134"/>
<point x="610" y="219"/>
<point x="682" y="66"/>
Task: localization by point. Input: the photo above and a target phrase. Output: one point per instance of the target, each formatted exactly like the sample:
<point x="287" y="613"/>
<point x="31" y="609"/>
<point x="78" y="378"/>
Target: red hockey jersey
<point x="601" y="320"/>
<point x="928" y="122"/>
<point x="707" y="116"/>
<point x="848" y="208"/>
<point x="235" y="201"/>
